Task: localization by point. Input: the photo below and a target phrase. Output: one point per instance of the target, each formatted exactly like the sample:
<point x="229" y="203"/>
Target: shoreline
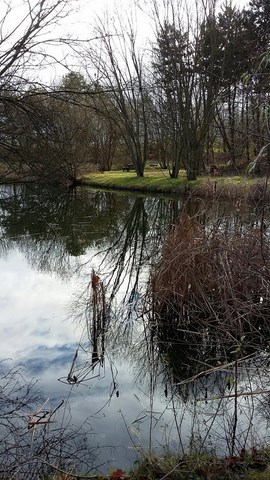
<point x="215" y="188"/>
<point x="235" y="187"/>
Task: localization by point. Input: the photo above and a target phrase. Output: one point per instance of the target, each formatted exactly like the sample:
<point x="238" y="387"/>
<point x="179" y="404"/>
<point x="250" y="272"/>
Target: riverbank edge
<point x="247" y="465"/>
<point x="238" y="188"/>
<point x="225" y="188"/>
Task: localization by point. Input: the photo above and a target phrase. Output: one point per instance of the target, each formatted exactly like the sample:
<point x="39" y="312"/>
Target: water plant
<point x="210" y="315"/>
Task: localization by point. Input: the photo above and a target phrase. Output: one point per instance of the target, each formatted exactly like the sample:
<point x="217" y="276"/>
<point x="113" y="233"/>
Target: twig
<point x="238" y="394"/>
<point x="74" y="475"/>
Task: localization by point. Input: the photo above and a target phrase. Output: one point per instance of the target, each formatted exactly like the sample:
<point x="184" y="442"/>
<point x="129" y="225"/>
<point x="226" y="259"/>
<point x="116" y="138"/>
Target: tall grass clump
<point x="213" y="287"/>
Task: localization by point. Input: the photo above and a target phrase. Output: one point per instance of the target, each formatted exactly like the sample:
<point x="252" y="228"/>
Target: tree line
<point x="197" y="95"/>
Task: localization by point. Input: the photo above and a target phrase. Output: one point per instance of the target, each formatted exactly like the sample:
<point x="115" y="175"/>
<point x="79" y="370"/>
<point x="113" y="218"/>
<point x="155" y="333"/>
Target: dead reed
<point x="249" y="190"/>
<point x="215" y="282"/>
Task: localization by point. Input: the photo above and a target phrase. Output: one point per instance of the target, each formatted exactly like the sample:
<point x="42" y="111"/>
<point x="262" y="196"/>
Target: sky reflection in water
<point x="38" y="334"/>
<point x="51" y="243"/>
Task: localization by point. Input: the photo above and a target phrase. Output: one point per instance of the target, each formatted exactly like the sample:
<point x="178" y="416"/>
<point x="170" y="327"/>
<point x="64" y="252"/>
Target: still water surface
<point x="51" y="242"/>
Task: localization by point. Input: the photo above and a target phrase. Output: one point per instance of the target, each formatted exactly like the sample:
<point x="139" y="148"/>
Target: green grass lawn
<point x="160" y="182"/>
<point x="152" y="181"/>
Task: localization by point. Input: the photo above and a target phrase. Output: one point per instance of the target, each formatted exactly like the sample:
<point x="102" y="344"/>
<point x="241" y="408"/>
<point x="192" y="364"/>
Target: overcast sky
<point x="79" y="24"/>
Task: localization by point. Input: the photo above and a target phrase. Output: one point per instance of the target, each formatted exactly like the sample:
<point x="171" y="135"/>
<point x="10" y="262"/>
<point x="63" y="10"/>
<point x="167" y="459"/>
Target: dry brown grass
<point x="215" y="278"/>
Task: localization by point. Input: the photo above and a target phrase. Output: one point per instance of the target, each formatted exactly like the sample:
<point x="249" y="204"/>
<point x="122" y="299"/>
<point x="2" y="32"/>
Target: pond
<point x="103" y="389"/>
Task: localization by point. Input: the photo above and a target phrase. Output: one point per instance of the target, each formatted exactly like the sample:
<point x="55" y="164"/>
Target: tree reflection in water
<point x="210" y="318"/>
<point x="111" y="312"/>
<point x="207" y="378"/>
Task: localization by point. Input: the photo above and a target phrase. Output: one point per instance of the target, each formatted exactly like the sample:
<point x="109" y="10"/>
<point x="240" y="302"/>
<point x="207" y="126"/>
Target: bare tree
<point x="25" y="30"/>
<point x="26" y="45"/>
<point x="45" y="136"/>
<point x="187" y="91"/>
<point x="115" y="63"/>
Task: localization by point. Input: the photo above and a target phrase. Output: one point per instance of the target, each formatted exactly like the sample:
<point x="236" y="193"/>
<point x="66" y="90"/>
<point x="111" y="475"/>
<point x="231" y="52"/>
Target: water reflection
<point x="50" y="241"/>
<point x="121" y="371"/>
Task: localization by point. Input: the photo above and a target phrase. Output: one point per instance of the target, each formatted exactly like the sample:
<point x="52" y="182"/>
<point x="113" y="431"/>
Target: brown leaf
<point x="118" y="474"/>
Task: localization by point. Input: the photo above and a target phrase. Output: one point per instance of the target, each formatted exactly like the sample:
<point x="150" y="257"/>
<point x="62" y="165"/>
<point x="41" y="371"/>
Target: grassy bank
<point x="159" y="182"/>
<point x="247" y="466"/>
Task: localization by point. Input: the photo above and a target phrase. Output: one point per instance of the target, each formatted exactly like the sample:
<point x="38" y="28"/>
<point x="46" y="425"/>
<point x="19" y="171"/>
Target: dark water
<point x="122" y="388"/>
